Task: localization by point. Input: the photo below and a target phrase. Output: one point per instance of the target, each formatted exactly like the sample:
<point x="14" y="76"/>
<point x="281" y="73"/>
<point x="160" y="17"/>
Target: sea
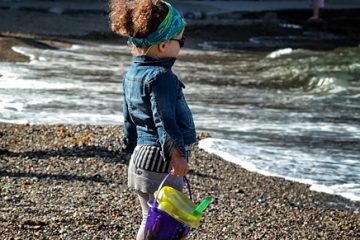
<point x="290" y="112"/>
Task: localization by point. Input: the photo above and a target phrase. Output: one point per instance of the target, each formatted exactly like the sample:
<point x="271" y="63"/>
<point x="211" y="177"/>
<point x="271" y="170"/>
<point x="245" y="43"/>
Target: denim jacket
<point x="155" y="110"/>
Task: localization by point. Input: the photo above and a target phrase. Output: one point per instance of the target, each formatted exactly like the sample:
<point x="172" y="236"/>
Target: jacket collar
<point x="149" y="61"/>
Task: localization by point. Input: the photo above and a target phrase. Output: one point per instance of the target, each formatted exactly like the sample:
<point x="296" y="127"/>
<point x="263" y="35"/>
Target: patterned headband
<point x="169" y="27"/>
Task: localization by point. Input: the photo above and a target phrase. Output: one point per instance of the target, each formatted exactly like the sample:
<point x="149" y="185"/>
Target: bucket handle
<point x="163" y="182"/>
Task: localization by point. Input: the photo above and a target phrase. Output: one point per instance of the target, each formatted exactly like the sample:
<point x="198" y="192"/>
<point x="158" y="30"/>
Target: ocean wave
<point x="35" y="84"/>
<point x="280" y="52"/>
<point x="246" y="156"/>
<point x="11" y="106"/>
<point x="326" y="84"/>
<point x="298" y="105"/>
<point x="64" y="118"/>
<point x="291" y="26"/>
<point x="101" y="48"/>
<point x="349" y="191"/>
<point x="309" y="71"/>
<point x="23" y="51"/>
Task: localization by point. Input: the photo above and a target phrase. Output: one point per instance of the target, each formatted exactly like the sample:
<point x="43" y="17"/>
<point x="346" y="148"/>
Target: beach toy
<point x="172" y="213"/>
<point x="199" y="209"/>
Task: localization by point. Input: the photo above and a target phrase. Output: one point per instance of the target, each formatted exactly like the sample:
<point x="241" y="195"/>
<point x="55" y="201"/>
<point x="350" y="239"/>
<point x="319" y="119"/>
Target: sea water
<point x="292" y="113"/>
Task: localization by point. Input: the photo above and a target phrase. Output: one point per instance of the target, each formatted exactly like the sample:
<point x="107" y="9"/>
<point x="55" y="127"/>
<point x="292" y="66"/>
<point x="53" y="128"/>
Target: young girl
<point x="318" y="8"/>
<point x="158" y="124"/>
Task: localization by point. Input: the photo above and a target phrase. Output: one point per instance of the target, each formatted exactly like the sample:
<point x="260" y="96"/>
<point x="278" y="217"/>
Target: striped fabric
<point x="148" y="157"/>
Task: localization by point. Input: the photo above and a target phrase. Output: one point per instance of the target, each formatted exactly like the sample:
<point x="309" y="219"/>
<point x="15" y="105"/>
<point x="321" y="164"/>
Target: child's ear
<point x="162" y="46"/>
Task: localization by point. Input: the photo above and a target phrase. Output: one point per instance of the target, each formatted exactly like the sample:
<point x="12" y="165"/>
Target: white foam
<point x="293" y="26"/>
<point x="68" y="118"/>
<point x="15" y="121"/>
<point x="356" y="96"/>
<point x="207" y="46"/>
<point x="349" y="191"/>
<point x="280" y="52"/>
<point x="23" y="51"/>
<point x="326" y="84"/>
<point x="230" y="151"/>
<point x="101" y="48"/>
<point x="11" y="106"/>
<point x="34" y="84"/>
<point x="354" y="67"/>
<point x="246" y="156"/>
<point x="77" y="57"/>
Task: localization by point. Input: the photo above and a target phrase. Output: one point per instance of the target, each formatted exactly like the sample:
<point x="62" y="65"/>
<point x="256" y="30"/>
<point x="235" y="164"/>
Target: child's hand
<point x="178" y="164"/>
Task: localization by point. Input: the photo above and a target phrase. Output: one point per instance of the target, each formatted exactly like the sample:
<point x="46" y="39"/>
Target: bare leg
<point x="143" y="198"/>
<point x="315" y="12"/>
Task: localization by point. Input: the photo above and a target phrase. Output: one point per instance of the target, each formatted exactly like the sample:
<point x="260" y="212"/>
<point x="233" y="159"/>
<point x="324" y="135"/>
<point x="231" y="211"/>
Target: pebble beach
<point x="70" y="182"/>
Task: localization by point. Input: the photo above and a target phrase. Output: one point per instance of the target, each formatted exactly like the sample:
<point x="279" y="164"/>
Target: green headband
<point x="169" y="27"/>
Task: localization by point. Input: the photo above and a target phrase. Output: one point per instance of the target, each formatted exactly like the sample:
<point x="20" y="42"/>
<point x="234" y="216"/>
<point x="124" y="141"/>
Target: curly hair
<point x="136" y="18"/>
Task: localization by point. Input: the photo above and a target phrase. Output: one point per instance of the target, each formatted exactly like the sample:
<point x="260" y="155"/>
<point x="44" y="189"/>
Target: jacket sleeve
<point x="163" y="97"/>
<point x="130" y="133"/>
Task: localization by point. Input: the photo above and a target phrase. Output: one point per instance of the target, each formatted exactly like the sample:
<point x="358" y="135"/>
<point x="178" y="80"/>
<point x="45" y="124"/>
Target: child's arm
<point x="130" y="133"/>
<point x="163" y="93"/>
<point x="178" y="163"/>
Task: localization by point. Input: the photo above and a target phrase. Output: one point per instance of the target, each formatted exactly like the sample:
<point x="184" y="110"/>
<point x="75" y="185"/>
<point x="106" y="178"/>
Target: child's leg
<point x="321" y="12"/>
<point x="143" y="198"/>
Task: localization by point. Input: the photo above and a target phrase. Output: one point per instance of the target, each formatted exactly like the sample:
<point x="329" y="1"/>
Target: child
<point x="318" y="8"/>
<point x="158" y="124"/>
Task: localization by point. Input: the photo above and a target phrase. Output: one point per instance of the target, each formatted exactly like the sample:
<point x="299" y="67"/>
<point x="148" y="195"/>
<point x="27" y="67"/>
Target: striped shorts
<point x="147" y="169"/>
<point x="149" y="158"/>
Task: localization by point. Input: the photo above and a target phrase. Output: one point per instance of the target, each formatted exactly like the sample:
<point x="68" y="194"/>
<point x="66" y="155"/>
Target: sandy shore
<point x="69" y="182"/>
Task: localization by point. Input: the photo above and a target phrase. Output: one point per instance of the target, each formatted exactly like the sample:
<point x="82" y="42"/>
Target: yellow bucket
<point x="178" y="205"/>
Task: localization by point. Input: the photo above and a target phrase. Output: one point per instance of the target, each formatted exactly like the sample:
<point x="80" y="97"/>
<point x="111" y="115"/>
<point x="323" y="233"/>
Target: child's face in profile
<point x="171" y="47"/>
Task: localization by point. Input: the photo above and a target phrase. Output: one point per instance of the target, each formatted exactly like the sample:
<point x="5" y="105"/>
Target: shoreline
<point x="312" y="186"/>
<point x="69" y="181"/>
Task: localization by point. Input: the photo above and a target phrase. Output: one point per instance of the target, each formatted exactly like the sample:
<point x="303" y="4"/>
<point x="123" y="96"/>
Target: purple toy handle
<point x="163" y="182"/>
<point x="159" y="224"/>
